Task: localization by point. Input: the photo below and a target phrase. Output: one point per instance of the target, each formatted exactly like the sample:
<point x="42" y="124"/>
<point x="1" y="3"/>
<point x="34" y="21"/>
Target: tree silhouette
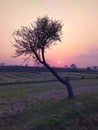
<point x="32" y="42"/>
<point x="73" y="66"/>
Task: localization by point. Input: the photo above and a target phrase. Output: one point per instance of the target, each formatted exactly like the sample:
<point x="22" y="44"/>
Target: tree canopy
<point x="32" y="42"/>
<point x="36" y="38"/>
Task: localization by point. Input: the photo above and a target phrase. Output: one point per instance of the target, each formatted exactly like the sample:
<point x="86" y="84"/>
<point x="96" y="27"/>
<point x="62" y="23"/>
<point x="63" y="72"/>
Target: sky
<point x="80" y="29"/>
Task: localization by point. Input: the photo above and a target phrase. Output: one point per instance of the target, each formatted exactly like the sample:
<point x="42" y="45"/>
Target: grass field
<point x="37" y="101"/>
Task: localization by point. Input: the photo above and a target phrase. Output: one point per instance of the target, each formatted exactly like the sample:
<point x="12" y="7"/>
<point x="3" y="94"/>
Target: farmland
<point x="32" y="99"/>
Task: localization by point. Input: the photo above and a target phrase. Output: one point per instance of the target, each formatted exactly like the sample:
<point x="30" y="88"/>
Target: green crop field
<point x="33" y="100"/>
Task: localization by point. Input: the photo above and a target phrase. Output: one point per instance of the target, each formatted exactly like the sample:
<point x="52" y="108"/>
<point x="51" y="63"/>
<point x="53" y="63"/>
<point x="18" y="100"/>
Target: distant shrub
<point x="67" y="78"/>
<point x="96" y="77"/>
<point x="82" y="77"/>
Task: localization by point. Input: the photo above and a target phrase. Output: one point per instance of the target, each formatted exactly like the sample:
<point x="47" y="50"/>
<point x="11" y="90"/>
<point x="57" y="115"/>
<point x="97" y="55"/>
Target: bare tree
<point x="32" y="42"/>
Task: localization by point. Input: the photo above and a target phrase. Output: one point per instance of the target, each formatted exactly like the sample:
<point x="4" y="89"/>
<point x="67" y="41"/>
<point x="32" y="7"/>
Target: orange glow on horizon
<point x="80" y="29"/>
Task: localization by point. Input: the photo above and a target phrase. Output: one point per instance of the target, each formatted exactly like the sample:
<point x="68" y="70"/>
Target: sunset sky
<point x="80" y="29"/>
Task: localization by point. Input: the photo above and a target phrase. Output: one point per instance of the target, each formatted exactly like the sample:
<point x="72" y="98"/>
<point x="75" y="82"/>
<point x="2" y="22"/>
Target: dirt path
<point x="19" y="105"/>
<point x="62" y="93"/>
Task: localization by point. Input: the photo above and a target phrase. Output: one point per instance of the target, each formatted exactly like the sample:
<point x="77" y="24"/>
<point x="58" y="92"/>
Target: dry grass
<point x="43" y="105"/>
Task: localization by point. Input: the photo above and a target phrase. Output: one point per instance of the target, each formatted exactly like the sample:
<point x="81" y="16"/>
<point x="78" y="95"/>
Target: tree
<point x="73" y="66"/>
<point x="2" y="64"/>
<point x="88" y="68"/>
<point x="32" y="42"/>
<point x="95" y="67"/>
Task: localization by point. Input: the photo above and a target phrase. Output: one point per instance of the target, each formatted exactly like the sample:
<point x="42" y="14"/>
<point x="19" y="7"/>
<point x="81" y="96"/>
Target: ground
<point x="37" y="101"/>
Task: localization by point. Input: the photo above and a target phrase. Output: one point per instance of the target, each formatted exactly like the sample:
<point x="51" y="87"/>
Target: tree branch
<point x="35" y="54"/>
<point x="43" y="56"/>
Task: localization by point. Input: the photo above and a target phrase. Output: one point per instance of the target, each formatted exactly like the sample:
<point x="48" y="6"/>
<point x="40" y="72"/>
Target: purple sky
<point x="80" y="31"/>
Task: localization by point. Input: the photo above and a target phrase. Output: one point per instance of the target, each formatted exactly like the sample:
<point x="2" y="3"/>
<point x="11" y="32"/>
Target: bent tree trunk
<point x="69" y="89"/>
<point x="64" y="81"/>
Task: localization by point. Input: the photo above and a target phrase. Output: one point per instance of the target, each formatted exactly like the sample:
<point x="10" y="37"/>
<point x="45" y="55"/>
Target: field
<point x="35" y="100"/>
